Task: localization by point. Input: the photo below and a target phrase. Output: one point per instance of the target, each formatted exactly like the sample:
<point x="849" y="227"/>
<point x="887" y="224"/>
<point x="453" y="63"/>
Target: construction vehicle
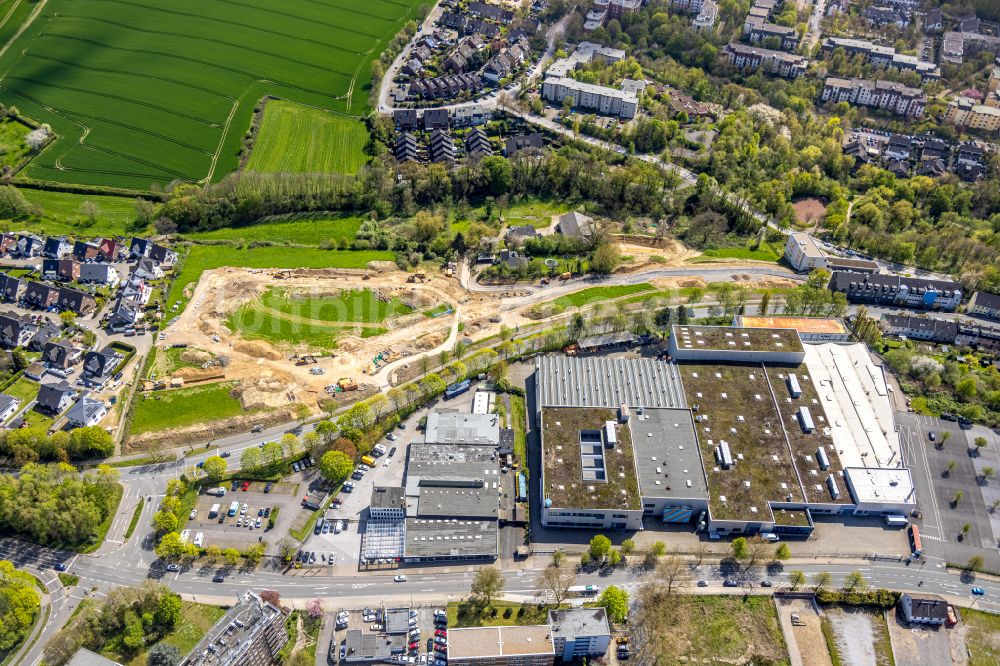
<point x="305" y="359"/>
<point x="347" y="384"/>
<point x="545" y="280"/>
<point x="571" y="350"/>
<point x="366" y="277"/>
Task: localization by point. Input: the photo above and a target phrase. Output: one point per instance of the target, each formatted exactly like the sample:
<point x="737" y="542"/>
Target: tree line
<point x="55" y="504"/>
<point x="129" y="621"/>
<point x="25" y="445"/>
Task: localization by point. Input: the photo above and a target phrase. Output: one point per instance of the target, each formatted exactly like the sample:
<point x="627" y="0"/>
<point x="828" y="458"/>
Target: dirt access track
<point x="268" y="374"/>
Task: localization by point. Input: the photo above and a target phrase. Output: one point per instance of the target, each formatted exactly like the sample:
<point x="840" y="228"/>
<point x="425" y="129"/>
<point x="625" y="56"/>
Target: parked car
<point x="219" y="578"/>
<point x="702" y="583"/>
<point x="173" y="567"/>
<point x="267" y="512"/>
<point x="357" y="476"/>
<point x="318" y="528"/>
<point x="236" y="484"/>
<point x="932" y="435"/>
<point x="257" y="523"/>
<point x="243" y="509"/>
<point x="246" y="486"/>
<point x="267" y="488"/>
<point x="339" y="527"/>
<point x="766" y="583"/>
<point x="392" y="451"/>
<point x="729" y="582"/>
<point x="391" y="437"/>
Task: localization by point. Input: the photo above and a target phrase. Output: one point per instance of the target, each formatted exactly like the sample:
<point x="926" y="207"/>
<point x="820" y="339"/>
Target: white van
<point x="199" y="539"/>
<point x="769" y="537"/>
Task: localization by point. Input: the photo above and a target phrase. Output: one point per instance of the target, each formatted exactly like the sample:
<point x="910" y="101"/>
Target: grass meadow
<point x="593" y="295"/>
<point x="338" y="230"/>
<point x="142" y="92"/>
<point x="294" y="138"/>
<point x="206" y="257"/>
<point x="13" y="148"/>
<point x="62" y="213"/>
<point x="316" y="321"/>
<point x="177" y="408"/>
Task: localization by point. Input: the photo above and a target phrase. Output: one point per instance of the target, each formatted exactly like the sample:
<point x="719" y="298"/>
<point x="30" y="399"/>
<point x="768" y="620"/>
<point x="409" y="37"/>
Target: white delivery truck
<point x="214" y="511"/>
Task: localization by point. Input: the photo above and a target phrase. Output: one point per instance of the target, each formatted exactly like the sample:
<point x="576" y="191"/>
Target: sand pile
<point x="257" y="349"/>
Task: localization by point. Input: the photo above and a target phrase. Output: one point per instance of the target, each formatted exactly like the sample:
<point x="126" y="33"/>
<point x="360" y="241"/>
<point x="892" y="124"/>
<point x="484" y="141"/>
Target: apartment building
<point x="983" y="304"/>
<point x="251" y="633"/>
<point x="957" y="46"/>
<point x="687" y="6"/>
<point x="887" y="95"/>
<point x="898" y="290"/>
<point x="967" y="112"/>
<point x="881" y="56"/>
<point x="706" y="18"/>
<point x="802" y="252"/>
<point x="778" y="63"/>
<point x="920" y="328"/>
<point x="604" y="100"/>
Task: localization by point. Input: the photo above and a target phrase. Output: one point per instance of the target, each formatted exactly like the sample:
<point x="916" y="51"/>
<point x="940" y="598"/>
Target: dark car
<point x="219" y="578"/>
<point x="392" y="451"/>
<point x="60" y="567"/>
<point x="336" y="502"/>
<point x="729" y="582"/>
<point x="357" y="476"/>
<point x="319" y="527"/>
<point x="225" y="454"/>
<point x="236" y="484"/>
<point x="766" y="583"/>
<point x="267" y="488"/>
<point x="267" y="512"/>
<point x="402" y="426"/>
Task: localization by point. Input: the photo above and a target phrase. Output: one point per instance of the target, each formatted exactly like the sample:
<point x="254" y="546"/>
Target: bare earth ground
<point x="806" y="645"/>
<point x="853" y="632"/>
<point x="809" y="210"/>
<point x="268" y="376"/>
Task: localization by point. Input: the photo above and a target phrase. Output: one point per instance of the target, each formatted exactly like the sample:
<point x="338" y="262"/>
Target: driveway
<point x="918" y="646"/>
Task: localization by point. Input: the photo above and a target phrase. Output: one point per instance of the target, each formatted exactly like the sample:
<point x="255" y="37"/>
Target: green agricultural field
<point x="294" y="138"/>
<point x="177" y="408"/>
<point x="202" y="258"/>
<point x="315" y="321"/>
<point x="13" y="148"/>
<point x="63" y="213"/>
<point x="337" y="230"/>
<point x="143" y="92"/>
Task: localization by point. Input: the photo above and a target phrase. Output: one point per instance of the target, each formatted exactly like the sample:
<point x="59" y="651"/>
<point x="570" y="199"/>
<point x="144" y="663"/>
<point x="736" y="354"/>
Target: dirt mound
<point x="349" y="343"/>
<point x="429" y="341"/>
<point x="382" y="266"/>
<point x="272" y="388"/>
<point x="195" y="374"/>
<point x="196" y="356"/>
<point x="257" y="349"/>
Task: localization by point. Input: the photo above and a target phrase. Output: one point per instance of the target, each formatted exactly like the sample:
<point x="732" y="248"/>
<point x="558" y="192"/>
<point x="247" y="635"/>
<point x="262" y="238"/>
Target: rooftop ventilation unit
<point x="793" y="386"/>
<point x="821" y="457"/>
<point x="724" y="455"/>
<point x="831" y="484"/>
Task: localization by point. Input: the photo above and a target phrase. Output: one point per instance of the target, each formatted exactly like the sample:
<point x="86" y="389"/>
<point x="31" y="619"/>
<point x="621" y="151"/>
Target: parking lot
<point x="409" y="632"/>
<point x="241" y="530"/>
<point x="352" y="513"/>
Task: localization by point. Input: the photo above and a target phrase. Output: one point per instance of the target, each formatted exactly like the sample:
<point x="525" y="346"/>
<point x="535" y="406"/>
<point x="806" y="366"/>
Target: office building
<point x="501" y="646"/>
<point x="580" y="633"/>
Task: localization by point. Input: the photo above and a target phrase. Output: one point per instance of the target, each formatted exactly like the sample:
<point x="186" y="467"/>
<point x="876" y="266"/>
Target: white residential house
<point x="86" y="412"/>
<point x="8" y="407"/>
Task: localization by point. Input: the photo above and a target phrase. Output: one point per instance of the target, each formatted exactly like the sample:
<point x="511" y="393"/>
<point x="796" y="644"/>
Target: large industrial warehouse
<point x="743" y="430"/>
